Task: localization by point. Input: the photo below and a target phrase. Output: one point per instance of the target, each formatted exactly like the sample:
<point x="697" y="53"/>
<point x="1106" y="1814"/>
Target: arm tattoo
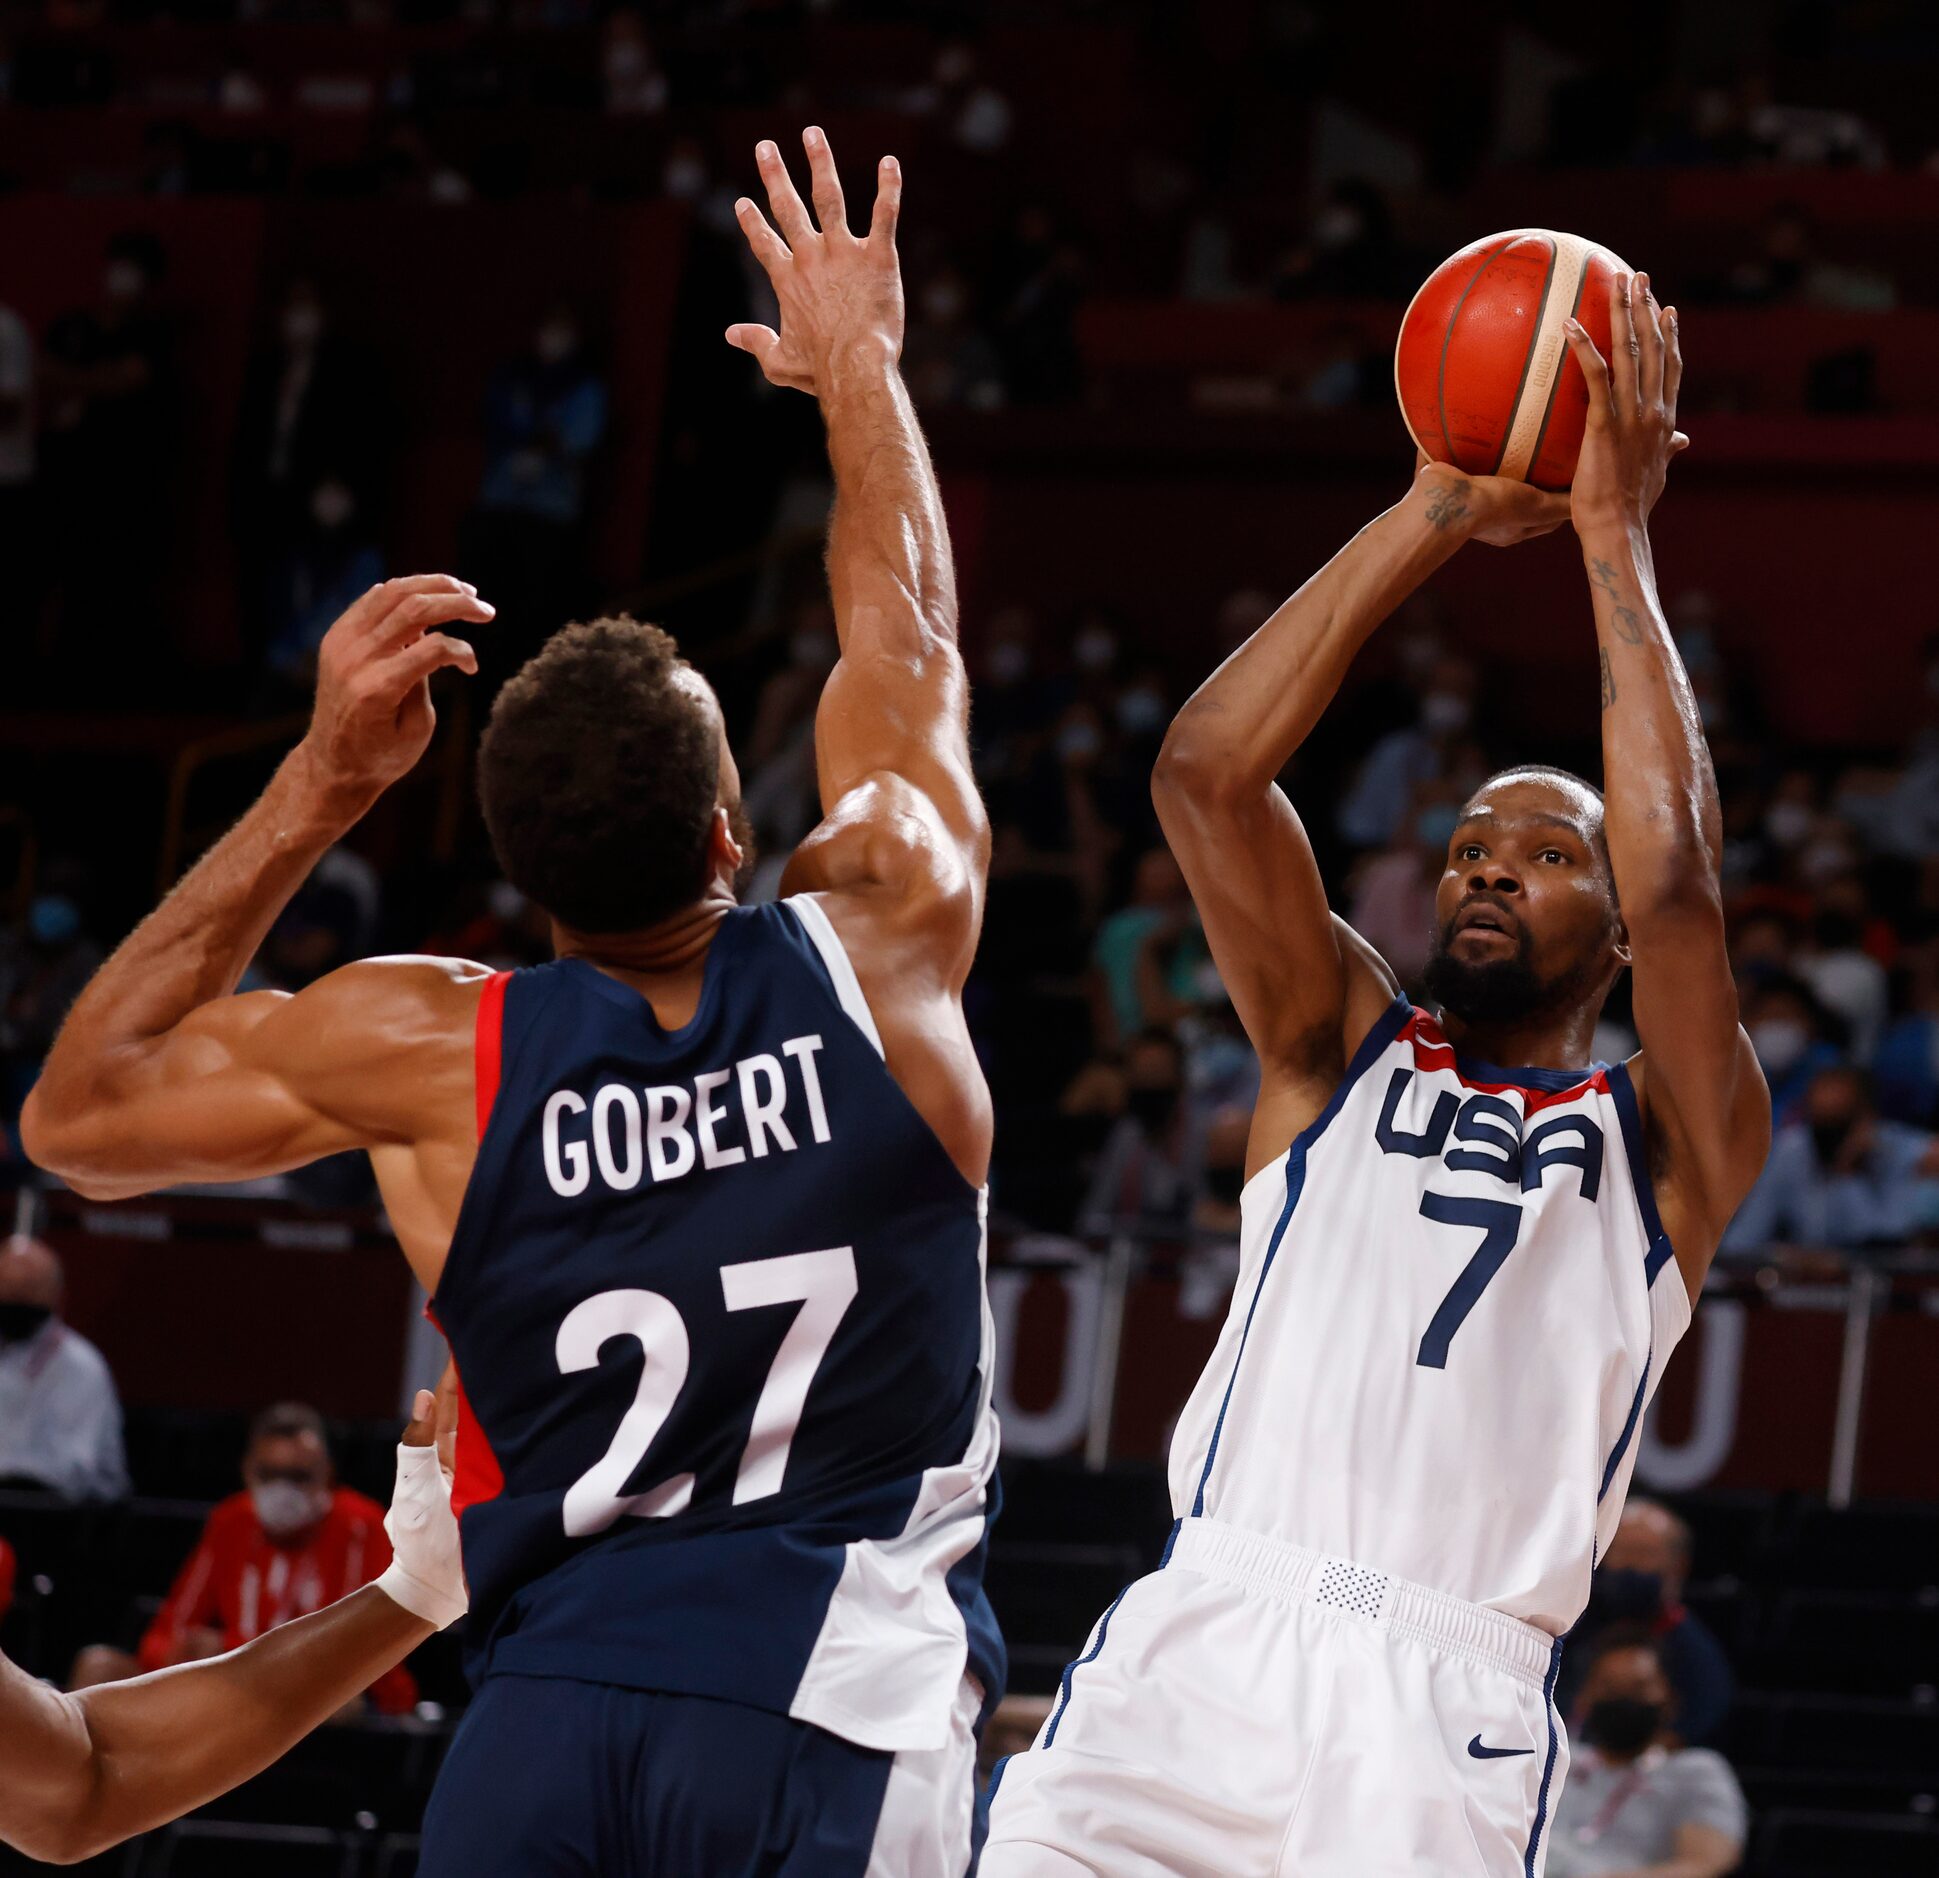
<point x="1608" y="681"/>
<point x="1628" y="628"/>
<point x="1445" y="507"/>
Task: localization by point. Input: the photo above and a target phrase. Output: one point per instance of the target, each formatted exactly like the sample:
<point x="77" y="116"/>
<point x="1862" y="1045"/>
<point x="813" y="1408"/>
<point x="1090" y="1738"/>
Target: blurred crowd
<point x="1120" y="1071"/>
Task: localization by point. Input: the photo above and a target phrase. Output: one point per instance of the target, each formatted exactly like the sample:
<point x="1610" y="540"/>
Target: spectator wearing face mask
<point x="291" y="1542"/>
<point x="1148" y="1177"/>
<point x="1906" y="1068"/>
<point x="333" y="558"/>
<point x="1787" y="1029"/>
<point x="1841" y="1175"/>
<point x="1408" y="762"/>
<point x="1640" y="1583"/>
<point x="1635" y="1803"/>
<point x="947" y="360"/>
<point x="311" y="416"/>
<point x="60" y="1419"/>
<point x="1153" y="946"/>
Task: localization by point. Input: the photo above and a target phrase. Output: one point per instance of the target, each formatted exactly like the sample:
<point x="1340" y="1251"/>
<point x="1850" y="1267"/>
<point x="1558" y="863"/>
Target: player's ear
<point x="1620" y="943"/>
<point x="723" y="846"/>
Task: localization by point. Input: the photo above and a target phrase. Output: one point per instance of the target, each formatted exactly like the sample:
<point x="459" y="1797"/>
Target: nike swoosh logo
<point x="1493" y="1754"/>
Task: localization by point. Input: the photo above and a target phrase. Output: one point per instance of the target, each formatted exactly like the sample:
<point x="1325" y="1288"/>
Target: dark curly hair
<point x="599" y="774"/>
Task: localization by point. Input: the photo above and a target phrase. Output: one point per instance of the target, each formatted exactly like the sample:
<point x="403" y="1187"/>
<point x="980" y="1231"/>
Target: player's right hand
<point x="373" y="716"/>
<point x="839" y="293"/>
<point x="1499" y="510"/>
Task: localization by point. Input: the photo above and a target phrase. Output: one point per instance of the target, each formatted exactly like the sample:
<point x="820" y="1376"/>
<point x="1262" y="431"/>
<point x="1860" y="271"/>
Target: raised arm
<point x="892" y="734"/>
<point x="1305" y="987"/>
<point x="79" y="1773"/>
<point x="161" y="1073"/>
<point x="1704" y="1098"/>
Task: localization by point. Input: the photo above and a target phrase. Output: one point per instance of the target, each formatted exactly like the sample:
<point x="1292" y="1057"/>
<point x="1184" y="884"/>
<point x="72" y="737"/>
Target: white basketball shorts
<point x="1255" y="1710"/>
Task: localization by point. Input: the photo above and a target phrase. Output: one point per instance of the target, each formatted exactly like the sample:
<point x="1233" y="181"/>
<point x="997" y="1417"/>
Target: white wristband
<point x="426" y="1573"/>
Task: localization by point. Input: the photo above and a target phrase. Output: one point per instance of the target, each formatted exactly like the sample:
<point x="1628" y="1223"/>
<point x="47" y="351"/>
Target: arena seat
<point x="217" y="1849"/>
<point x="1915" y="1795"/>
<point x="1729" y="1532"/>
<point x="1874" y="1547"/>
<point x="1830" y="1732"/>
<point x="396" y="1856"/>
<point x="1798" y="1844"/>
<point x="1050" y="1595"/>
<point x="1855" y="1643"/>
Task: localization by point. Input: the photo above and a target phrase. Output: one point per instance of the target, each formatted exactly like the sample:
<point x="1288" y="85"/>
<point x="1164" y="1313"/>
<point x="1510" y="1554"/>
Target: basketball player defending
<point x="700" y="1203"/>
<point x="1460" y="1282"/>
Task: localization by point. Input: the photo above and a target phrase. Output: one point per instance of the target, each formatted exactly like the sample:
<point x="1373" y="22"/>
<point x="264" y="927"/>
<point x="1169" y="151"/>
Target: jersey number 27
<point x="822" y="1283"/>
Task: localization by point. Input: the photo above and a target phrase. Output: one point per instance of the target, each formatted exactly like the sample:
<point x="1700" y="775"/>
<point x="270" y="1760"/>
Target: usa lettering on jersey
<point x="628" y="1134"/>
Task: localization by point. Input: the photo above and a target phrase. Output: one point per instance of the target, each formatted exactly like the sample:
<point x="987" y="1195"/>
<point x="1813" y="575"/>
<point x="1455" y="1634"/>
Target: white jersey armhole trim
<point x="841" y="968"/>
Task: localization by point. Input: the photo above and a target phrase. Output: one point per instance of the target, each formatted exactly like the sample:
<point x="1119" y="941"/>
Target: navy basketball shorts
<point x="551" y="1778"/>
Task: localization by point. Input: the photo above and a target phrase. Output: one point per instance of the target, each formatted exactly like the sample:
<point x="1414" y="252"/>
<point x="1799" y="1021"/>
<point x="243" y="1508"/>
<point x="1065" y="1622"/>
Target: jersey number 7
<point x="822" y="1283"/>
<point x="1501" y="1224"/>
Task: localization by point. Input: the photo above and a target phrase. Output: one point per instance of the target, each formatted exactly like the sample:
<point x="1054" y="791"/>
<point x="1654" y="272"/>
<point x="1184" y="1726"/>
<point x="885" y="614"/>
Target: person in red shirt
<point x="292" y="1542"/>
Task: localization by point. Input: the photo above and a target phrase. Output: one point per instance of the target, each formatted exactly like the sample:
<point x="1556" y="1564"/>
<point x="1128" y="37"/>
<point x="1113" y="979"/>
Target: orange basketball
<point x="1483" y="369"/>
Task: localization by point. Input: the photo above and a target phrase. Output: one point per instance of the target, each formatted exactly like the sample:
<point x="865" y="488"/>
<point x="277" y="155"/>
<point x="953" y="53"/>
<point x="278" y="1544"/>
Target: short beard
<point x="1500" y="991"/>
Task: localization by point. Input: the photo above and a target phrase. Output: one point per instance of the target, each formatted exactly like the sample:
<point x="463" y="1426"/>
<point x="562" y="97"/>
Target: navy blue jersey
<point x="716" y="1299"/>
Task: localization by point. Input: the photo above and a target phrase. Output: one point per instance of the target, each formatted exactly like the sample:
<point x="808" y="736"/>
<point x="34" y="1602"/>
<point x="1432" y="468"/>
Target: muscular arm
<point x="1707" y="1106"/>
<point x="78" y="1773"/>
<point x="892" y="732"/>
<point x="1303" y="984"/>
<point x="161" y="1073"/>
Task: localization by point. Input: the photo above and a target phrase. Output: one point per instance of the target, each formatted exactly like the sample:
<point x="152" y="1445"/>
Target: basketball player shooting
<point x="700" y="1203"/>
<point x="1460" y="1281"/>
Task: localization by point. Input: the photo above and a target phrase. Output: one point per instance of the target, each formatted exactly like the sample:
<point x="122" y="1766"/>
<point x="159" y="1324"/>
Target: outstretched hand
<point x="373" y="717"/>
<point x="839" y="293"/>
<point x="1631" y="433"/>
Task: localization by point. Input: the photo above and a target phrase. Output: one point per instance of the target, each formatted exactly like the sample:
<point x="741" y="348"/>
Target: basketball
<point x="1483" y="368"/>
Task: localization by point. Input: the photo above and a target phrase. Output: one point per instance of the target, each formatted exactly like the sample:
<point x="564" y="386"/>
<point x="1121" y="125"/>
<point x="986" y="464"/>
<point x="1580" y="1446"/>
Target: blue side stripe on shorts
<point x="1386" y="1028"/>
<point x="1548" y="1766"/>
<point x="1071" y="1669"/>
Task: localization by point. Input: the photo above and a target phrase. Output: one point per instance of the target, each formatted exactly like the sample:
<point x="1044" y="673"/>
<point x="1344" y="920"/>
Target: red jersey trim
<point x="489" y="1049"/>
<point x="475" y="1473"/>
<point x="1433" y="1051"/>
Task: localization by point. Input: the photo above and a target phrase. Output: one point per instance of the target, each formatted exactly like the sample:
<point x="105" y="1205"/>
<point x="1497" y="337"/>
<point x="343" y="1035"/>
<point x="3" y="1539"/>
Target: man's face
<point x="1525" y="916"/>
<point x="297" y="1459"/>
<point x="1649" y="1540"/>
<point x="1626" y="1676"/>
<point x="1834" y="1105"/>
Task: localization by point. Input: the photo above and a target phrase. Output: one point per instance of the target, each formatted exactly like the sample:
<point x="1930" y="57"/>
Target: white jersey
<point x="1455" y="1299"/>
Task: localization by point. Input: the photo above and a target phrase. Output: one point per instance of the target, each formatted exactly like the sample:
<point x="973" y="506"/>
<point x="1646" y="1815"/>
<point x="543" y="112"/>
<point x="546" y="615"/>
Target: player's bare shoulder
<point x="388" y="1044"/>
<point x="902" y="886"/>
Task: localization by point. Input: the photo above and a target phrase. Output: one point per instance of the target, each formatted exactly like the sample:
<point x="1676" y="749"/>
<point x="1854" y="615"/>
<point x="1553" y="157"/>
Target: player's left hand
<point x="426" y="1572"/>
<point x="839" y="293"/>
<point x="1631" y="433"/>
<point x="373" y="717"/>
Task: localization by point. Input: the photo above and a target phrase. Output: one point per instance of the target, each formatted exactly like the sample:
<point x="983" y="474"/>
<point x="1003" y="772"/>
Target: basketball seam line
<point x="1528" y="362"/>
<point x="1575" y="308"/>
